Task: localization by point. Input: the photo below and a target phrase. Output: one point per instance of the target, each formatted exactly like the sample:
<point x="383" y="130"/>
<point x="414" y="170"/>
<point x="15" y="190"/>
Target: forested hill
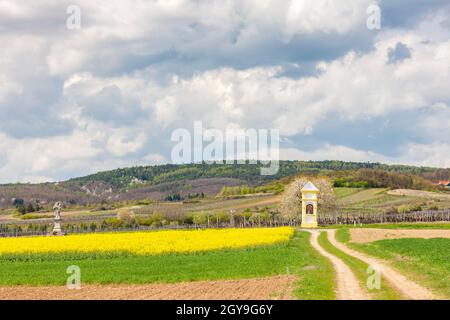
<point x="190" y="180"/>
<point x="153" y="175"/>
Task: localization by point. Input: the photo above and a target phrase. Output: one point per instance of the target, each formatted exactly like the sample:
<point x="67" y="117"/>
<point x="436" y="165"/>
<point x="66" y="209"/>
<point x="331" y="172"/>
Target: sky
<point x="109" y="92"/>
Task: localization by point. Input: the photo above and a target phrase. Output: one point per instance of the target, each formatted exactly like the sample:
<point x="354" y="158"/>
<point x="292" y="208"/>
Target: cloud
<point x="28" y="158"/>
<point x="430" y="155"/>
<point x="139" y="33"/>
<point x="28" y="96"/>
<point x="111" y="93"/>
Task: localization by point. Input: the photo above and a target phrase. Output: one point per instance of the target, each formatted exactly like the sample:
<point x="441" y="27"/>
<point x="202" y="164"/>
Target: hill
<point x="191" y="180"/>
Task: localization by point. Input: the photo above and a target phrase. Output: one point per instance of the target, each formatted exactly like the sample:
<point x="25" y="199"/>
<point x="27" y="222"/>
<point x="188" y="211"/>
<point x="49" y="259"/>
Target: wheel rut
<point x="348" y="286"/>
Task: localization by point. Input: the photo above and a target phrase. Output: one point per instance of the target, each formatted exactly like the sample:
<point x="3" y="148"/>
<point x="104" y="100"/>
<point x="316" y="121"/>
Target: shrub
<point x="173" y="197"/>
<point x="403" y="209"/>
<point x="199" y="218"/>
<point x="221" y="216"/>
<point x="29" y="216"/>
<point x="110" y="223"/>
<point x="406" y="208"/>
<point x="155" y="220"/>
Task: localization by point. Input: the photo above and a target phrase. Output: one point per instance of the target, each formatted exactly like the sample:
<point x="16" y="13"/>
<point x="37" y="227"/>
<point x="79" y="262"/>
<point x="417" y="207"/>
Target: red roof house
<point x="445" y="183"/>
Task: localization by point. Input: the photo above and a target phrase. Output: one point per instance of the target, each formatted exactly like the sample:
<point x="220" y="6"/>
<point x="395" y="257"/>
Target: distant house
<point x="444" y="183"/>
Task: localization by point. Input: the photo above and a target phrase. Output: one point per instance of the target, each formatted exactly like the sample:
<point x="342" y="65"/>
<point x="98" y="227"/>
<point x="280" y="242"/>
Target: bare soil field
<point x="277" y="287"/>
<point x="365" y="235"/>
<point x="419" y="193"/>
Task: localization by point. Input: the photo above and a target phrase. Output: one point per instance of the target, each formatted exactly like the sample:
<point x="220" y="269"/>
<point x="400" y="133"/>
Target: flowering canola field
<point x="148" y="242"/>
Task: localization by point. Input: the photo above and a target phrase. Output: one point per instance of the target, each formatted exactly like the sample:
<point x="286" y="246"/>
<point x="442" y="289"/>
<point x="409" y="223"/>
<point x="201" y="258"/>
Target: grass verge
<point x="386" y="292"/>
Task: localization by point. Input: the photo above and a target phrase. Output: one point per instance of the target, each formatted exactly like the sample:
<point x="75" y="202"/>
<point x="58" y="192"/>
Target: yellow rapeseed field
<point x="147" y="242"/>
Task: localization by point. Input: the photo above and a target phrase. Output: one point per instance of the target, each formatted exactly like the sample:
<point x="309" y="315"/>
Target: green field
<point x="297" y="257"/>
<point x="424" y="260"/>
<point x="377" y="200"/>
<point x="374" y="200"/>
<point x="345" y="192"/>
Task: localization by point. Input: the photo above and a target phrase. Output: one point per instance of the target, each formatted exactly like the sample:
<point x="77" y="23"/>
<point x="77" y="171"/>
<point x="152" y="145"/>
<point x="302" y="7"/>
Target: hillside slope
<point x="157" y="182"/>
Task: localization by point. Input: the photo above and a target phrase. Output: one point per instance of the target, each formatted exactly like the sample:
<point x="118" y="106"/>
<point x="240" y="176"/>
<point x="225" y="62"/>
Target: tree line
<point x="152" y="175"/>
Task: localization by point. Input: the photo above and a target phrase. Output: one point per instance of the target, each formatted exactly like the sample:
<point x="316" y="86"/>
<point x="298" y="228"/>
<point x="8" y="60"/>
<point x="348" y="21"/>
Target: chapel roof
<point x="309" y="187"/>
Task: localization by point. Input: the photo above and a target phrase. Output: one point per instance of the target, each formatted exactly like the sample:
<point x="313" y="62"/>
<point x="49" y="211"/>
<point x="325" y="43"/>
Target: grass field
<point x="296" y="256"/>
<point x="345" y="192"/>
<point x="377" y="200"/>
<point x="424" y="260"/>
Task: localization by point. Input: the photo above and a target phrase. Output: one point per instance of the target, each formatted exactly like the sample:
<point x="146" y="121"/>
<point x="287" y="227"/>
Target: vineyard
<point x="324" y="220"/>
<point x="352" y="219"/>
<point x="354" y="207"/>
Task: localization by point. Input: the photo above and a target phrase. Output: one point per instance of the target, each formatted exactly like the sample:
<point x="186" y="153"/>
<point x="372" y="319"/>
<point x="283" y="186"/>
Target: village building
<point x="444" y="183"/>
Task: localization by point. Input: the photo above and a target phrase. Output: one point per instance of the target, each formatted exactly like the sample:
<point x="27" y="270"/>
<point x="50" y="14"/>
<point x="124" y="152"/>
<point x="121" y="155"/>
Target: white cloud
<point x="166" y="111"/>
<point x="33" y="159"/>
<point x="76" y="101"/>
<point x="356" y="86"/>
<point x="325" y="16"/>
<point x="432" y="155"/>
<point x="120" y="144"/>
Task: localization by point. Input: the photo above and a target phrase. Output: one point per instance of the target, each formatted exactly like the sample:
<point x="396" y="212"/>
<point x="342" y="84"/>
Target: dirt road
<point x="403" y="285"/>
<point x="348" y="286"/>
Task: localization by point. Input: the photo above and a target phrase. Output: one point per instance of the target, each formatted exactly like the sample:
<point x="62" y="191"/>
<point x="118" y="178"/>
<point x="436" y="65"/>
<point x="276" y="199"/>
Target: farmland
<point x="215" y="211"/>
<point x="377" y="200"/>
<point x="144" y="243"/>
<point x="419" y="251"/>
<point x="260" y="255"/>
<point x="427" y="260"/>
<point x="293" y="256"/>
<point x="195" y="242"/>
